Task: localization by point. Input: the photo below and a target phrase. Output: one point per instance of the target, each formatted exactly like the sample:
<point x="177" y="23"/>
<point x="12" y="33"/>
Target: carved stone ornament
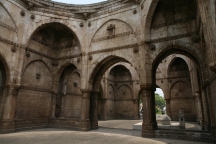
<point x="81" y="24"/>
<point x="111" y="27"/>
<point x="38" y="76"/>
<point x="22" y="13"/>
<point x="32" y="16"/>
<point x="27" y="53"/>
<point x="90" y="57"/>
<point x="55" y="63"/>
<point x="195" y="39"/>
<point x="13" y="49"/>
<point x="152" y="47"/>
<point x="135" y="11"/>
<point x="30" y="5"/>
<point x="136" y="49"/>
<point x="78" y="60"/>
<point x="142" y="6"/>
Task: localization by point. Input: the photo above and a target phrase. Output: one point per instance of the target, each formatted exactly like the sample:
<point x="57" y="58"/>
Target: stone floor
<point x="109" y="132"/>
<point x="100" y="136"/>
<point x="128" y="124"/>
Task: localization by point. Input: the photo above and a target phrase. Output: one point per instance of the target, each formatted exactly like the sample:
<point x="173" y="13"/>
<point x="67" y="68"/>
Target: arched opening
<point x="55" y="37"/>
<point x="180" y="83"/>
<point x="160" y="102"/>
<point x="68" y="98"/>
<point x="117" y="102"/>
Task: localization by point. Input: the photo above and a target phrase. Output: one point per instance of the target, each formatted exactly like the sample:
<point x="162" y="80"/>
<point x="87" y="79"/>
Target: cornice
<point x="78" y="11"/>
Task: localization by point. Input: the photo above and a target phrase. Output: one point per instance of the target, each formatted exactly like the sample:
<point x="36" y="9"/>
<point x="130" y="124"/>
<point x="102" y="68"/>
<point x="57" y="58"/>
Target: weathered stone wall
<point x="139" y="33"/>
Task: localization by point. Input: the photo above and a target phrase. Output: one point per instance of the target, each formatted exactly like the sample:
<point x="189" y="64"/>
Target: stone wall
<point x="90" y="40"/>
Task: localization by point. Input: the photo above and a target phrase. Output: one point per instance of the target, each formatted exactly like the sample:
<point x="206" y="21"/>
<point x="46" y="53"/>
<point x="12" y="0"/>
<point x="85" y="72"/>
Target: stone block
<point x="163" y="119"/>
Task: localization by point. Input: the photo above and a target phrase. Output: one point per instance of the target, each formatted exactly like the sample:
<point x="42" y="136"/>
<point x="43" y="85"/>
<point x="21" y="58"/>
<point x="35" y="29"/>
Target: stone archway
<point x="95" y="80"/>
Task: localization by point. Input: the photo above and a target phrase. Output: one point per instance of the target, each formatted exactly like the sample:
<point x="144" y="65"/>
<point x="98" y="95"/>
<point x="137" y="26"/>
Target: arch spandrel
<point x="113" y="33"/>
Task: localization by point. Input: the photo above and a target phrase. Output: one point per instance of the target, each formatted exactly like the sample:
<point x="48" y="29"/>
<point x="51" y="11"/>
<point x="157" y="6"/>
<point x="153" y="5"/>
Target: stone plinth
<point x="163" y="119"/>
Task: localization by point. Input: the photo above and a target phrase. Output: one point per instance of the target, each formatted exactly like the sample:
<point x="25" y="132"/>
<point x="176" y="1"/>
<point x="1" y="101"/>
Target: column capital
<point x="85" y="90"/>
<point x="146" y="92"/>
<point x="12" y="89"/>
<point x="146" y="86"/>
<point x="95" y="91"/>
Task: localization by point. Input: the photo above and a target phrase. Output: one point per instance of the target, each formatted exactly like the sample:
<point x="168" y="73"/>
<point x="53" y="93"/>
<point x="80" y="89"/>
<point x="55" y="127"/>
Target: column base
<point x="94" y="124"/>
<point x="7" y="126"/>
<point x="85" y="125"/>
<point x="148" y="129"/>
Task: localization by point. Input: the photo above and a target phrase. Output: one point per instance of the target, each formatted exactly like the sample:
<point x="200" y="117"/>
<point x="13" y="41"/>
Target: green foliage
<point x="140" y="100"/>
<point x="157" y="110"/>
<point x="160" y="102"/>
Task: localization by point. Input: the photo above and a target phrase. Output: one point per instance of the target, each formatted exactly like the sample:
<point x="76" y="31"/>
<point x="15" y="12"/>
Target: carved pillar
<point x="8" y="124"/>
<point x="94" y="108"/>
<point x="136" y="109"/>
<point x="149" y="116"/>
<point x="168" y="112"/>
<point x="85" y="109"/>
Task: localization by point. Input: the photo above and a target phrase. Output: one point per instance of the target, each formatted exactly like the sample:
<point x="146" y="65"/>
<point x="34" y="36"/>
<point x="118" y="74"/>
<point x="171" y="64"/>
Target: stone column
<point x="53" y="105"/>
<point x="94" y="108"/>
<point x="198" y="108"/>
<point x="149" y="118"/>
<point x="85" y="109"/>
<point x="8" y="123"/>
<point x="168" y="112"/>
<point x="136" y="109"/>
<point x="208" y="104"/>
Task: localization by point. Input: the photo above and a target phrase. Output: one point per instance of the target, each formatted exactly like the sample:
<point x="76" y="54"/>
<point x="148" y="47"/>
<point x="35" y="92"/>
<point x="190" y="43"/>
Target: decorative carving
<point x="13" y="48"/>
<point x="75" y="84"/>
<point x="142" y="6"/>
<point x="55" y="63"/>
<point x="27" y="53"/>
<point x="78" y="60"/>
<point x="111" y="30"/>
<point x="136" y="49"/>
<point x="22" y="13"/>
<point x="32" y="17"/>
<point x="30" y="5"/>
<point x="152" y="47"/>
<point x="38" y="76"/>
<point x="135" y="11"/>
<point x="81" y="24"/>
<point x="90" y="57"/>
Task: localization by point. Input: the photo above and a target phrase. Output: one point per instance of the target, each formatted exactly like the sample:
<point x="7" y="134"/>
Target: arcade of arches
<point x="69" y="66"/>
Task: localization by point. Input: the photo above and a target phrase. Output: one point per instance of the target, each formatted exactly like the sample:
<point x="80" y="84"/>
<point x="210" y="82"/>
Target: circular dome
<point x="79" y="2"/>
